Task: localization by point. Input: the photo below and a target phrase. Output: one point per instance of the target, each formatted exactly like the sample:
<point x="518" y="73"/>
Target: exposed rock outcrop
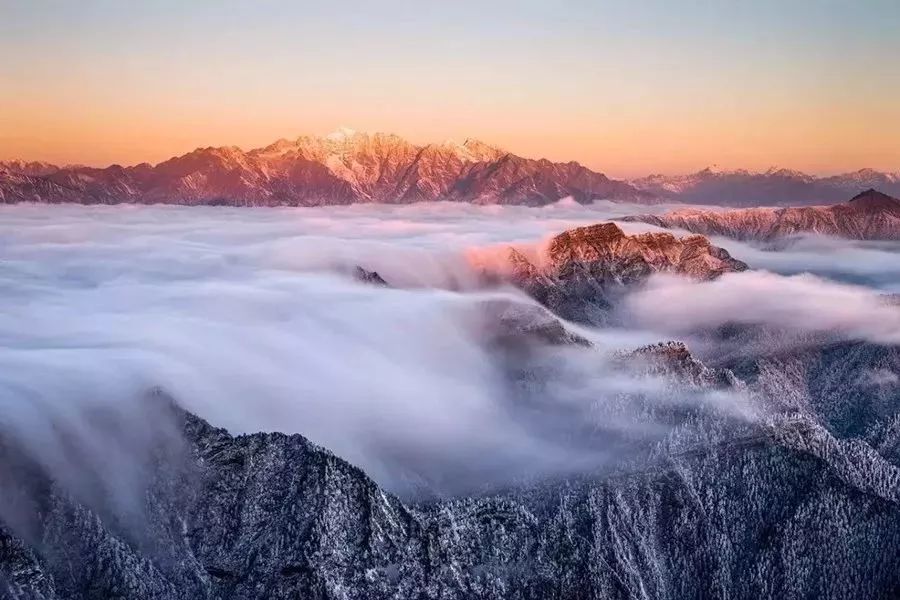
<point x="370" y="277"/>
<point x="584" y="270"/>
<point x="790" y="511"/>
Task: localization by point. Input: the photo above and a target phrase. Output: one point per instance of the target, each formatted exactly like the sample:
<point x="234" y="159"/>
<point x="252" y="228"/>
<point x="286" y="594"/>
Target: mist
<point x="800" y="303"/>
<point x="251" y="319"/>
<point x="873" y="264"/>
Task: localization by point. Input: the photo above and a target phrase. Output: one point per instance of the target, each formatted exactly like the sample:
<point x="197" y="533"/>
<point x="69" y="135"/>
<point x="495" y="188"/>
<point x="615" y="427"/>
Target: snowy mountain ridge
<point x="869" y="215"/>
<point x="343" y="167"/>
<point x="773" y="187"/>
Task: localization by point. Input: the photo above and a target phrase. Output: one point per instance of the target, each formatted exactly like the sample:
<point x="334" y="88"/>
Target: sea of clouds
<point x="251" y="318"/>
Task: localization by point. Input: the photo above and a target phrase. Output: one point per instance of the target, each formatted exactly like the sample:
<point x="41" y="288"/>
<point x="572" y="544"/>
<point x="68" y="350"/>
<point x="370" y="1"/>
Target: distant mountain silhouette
<point x="870" y="215"/>
<point x="775" y="187"/>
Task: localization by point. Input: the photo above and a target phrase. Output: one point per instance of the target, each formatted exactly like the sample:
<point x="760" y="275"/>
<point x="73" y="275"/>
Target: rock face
<point x="870" y="215"/>
<point x="775" y="187"/>
<point x="520" y="327"/>
<point x="585" y="269"/>
<point x="30" y="168"/>
<point x="341" y="168"/>
<point x="371" y="277"/>
<point x="783" y="508"/>
<point x="852" y="387"/>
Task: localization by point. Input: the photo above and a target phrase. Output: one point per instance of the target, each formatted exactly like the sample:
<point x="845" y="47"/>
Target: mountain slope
<point x="31" y="168"/>
<point x="783" y="510"/>
<point x="585" y="269"/>
<point x="341" y="168"/>
<point x="870" y="215"/>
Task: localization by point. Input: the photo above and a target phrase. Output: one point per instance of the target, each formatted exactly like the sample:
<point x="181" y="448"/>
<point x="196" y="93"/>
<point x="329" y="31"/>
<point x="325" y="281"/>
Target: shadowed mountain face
<point x="342" y="168"/>
<point x="869" y="215"/>
<point x="585" y="270"/>
<point x="776" y="187"/>
<point x="783" y="507"/>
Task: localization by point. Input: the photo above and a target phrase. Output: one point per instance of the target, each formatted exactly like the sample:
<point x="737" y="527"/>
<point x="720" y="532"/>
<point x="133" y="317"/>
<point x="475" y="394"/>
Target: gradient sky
<point x="624" y="87"/>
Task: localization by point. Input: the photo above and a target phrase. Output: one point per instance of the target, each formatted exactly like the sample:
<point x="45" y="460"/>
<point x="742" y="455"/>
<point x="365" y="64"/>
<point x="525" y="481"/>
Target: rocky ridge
<point x="341" y="168"/>
<point x="775" y="187"/>
<point x="346" y="167"/>
<point x="869" y="215"/>
<point x="584" y="270"/>
<point x="783" y="507"/>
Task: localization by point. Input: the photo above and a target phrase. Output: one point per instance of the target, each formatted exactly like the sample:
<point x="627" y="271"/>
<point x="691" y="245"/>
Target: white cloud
<point x="800" y="303"/>
<point x="249" y="317"/>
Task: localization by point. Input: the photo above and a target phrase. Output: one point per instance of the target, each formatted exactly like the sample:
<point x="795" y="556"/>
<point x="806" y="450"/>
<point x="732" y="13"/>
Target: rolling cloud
<point x="799" y="303"/>
<point x="250" y="318"/>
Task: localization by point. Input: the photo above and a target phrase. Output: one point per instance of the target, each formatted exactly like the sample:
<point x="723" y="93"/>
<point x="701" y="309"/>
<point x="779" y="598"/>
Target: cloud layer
<point x="251" y="319"/>
<point x="799" y="303"/>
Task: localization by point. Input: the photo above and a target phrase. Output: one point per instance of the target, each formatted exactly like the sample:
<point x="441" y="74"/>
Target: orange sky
<point x="625" y="91"/>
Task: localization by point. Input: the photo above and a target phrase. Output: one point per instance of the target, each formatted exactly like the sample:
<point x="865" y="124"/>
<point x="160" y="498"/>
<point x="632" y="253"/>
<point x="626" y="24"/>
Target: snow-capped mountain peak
<point x="342" y="167"/>
<point x="341" y="134"/>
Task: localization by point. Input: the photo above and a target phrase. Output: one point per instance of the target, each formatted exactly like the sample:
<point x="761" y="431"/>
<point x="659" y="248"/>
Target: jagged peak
<point x="232" y="153"/>
<point x="718" y="171"/>
<point x="692" y="254"/>
<point x="872" y="198"/>
<point x="671" y="352"/>
<point x="344" y="166"/>
<point x="484" y="150"/>
<point x="341" y="134"/>
<point x="599" y="232"/>
<point x="279" y="146"/>
<point x="664" y="347"/>
<point x="470" y="150"/>
<point x="228" y="151"/>
<point x="712" y="170"/>
<point x="522" y="268"/>
<point x="369" y="277"/>
<point x="787" y="173"/>
<point x="572" y="240"/>
<point x="674" y="359"/>
<point x="867" y="174"/>
<point x="345" y="139"/>
<point x="31" y="168"/>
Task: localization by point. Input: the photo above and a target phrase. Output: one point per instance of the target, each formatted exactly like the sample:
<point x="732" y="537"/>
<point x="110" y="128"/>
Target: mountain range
<point x="341" y="168"/>
<point x="791" y="507"/>
<point x="348" y="167"/>
<point x="775" y="187"/>
<point x="870" y="215"/>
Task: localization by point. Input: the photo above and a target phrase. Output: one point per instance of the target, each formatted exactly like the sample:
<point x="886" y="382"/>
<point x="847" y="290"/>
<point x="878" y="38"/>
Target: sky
<point x="626" y="88"/>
